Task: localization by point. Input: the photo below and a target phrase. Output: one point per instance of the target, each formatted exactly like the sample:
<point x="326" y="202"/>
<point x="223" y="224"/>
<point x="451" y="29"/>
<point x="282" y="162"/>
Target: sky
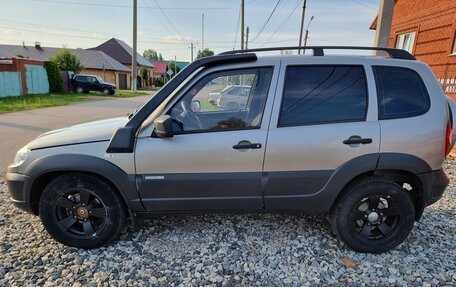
<point x="170" y="26"/>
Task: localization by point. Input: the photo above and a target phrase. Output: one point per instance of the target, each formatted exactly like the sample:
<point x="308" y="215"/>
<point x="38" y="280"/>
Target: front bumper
<point x="17" y="187"/>
<point x="434" y="184"/>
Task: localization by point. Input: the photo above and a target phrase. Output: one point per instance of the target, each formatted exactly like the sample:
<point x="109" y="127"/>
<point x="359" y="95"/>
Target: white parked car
<point x="231" y="98"/>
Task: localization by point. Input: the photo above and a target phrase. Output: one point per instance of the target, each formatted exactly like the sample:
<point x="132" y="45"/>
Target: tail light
<point x="448" y="137"/>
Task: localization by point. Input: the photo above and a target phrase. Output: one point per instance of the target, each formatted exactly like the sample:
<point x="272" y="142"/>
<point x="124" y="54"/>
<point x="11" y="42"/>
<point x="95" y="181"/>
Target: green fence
<point x="37" y="80"/>
<point x="10" y="84"/>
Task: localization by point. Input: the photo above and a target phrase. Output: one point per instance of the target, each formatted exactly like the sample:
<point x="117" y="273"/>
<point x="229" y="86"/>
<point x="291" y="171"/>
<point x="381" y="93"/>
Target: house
<point x="121" y="52"/>
<point x="427" y="29"/>
<point x="94" y="62"/>
<point x="161" y="67"/>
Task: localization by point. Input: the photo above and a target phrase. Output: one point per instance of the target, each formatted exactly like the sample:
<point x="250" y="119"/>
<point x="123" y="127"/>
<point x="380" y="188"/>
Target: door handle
<point x="247" y="145"/>
<point x="357" y="140"/>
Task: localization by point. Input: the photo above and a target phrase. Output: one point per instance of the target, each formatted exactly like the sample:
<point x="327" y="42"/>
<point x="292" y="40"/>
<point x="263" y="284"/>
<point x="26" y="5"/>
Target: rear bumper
<point x="434" y="184"/>
<point x="17" y="184"/>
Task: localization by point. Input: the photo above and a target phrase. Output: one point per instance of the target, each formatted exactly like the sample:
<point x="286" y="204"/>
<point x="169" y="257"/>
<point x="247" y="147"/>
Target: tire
<point x="232" y="106"/>
<point x="106" y="92"/>
<point x="82" y="211"/>
<point x="373" y="216"/>
<point x="79" y="90"/>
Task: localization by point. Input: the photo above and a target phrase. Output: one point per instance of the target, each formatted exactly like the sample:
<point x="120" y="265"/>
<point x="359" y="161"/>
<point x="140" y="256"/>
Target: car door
<point x="215" y="158"/>
<point x="321" y="128"/>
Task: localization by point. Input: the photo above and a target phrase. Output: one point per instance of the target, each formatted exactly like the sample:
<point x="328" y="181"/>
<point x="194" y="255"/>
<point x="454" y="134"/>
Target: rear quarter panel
<point x="422" y="136"/>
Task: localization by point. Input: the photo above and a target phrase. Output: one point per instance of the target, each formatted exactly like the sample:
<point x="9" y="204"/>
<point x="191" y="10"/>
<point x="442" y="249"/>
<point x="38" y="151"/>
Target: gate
<point x="37" y="80"/>
<point x="10" y="84"/>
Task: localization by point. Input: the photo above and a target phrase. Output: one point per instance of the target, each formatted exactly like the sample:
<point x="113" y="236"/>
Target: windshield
<point x="99" y="79"/>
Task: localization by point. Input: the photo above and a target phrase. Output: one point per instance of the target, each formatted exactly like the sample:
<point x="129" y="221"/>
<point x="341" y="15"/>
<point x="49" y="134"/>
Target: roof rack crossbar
<point x="319" y="50"/>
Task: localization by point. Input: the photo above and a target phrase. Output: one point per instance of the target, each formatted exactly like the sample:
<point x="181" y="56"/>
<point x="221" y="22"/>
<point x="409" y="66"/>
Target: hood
<point x="82" y="133"/>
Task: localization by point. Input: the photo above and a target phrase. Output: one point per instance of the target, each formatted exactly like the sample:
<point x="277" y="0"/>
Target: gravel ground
<point x="229" y="250"/>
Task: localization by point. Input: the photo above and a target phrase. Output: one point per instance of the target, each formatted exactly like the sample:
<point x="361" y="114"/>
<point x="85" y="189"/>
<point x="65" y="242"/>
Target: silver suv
<point x="359" y="138"/>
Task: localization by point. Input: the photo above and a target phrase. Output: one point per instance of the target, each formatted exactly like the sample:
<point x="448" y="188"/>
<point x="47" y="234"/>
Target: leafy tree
<point x="205" y="53"/>
<point x="67" y="61"/>
<point x="171" y="65"/>
<point x="144" y="72"/>
<point x="152" y="55"/>
<point x="54" y="78"/>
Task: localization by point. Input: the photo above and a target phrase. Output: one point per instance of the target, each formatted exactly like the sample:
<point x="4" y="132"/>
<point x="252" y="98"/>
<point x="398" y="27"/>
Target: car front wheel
<point x="79" y="90"/>
<point x="373" y="215"/>
<point x="107" y="92"/>
<point x="82" y="211"/>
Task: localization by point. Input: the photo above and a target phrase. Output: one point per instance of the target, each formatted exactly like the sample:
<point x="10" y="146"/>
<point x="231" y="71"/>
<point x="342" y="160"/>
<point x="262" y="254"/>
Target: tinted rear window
<point x="401" y="93"/>
<point x="323" y="94"/>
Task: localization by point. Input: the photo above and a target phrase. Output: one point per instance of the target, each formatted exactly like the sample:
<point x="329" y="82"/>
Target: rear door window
<point x="401" y="93"/>
<point x="323" y="94"/>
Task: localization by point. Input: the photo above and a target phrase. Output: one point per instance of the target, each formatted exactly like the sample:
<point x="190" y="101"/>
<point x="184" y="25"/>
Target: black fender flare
<point x="123" y="182"/>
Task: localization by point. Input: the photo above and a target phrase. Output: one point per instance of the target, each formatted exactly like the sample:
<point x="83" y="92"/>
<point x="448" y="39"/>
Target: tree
<point x="171" y="65"/>
<point x="54" y="78"/>
<point x="152" y="55"/>
<point x="144" y="72"/>
<point x="67" y="61"/>
<point x="205" y="53"/>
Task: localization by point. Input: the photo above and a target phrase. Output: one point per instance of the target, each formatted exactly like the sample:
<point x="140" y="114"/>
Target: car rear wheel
<point x="82" y="211"/>
<point x="232" y="106"/>
<point x="373" y="216"/>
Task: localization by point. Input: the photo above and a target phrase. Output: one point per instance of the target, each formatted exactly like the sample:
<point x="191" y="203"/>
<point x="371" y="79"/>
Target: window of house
<point x="401" y="93"/>
<point x="406" y="41"/>
<point x="323" y="94"/>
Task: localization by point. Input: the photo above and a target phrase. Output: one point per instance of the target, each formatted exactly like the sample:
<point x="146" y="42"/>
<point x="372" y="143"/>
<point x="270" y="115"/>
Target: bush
<point x="158" y="82"/>
<point x="54" y="78"/>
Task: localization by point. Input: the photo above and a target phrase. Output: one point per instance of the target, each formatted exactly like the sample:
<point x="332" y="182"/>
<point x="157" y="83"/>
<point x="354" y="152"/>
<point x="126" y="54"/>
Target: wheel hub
<point x="82" y="212"/>
<point x="373" y="217"/>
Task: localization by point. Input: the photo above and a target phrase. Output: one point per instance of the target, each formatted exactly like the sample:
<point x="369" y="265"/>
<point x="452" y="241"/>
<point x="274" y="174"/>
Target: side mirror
<point x="163" y="126"/>
<point x="196" y="106"/>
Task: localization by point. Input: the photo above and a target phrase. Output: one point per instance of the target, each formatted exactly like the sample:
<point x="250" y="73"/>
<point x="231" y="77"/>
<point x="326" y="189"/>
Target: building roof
<point x="120" y="51"/>
<point x="160" y="66"/>
<point x="91" y="59"/>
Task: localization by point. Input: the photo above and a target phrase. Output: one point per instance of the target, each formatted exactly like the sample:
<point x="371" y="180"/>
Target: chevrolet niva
<point x="360" y="139"/>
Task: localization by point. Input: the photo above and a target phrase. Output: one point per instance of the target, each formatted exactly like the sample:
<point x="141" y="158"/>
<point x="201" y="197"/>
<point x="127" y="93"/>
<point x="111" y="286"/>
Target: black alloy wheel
<point x="82" y="210"/>
<point x="373" y="215"/>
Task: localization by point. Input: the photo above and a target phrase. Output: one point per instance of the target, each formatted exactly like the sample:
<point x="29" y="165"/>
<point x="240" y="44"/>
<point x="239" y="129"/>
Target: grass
<point x="21" y="103"/>
<point x="121" y="94"/>
<point x="206" y="106"/>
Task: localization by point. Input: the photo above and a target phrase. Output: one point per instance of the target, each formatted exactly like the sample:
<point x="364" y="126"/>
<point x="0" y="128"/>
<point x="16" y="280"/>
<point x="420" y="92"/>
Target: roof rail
<point x="319" y="50"/>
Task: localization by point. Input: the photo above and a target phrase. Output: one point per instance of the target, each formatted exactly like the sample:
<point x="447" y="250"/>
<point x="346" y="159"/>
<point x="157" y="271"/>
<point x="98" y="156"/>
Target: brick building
<point x="427" y="29"/>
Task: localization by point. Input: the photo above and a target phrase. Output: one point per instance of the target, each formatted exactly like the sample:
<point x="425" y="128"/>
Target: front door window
<point x="222" y="101"/>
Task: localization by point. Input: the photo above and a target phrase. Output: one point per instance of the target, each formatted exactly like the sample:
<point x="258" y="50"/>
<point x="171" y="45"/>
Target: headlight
<point x="20" y="157"/>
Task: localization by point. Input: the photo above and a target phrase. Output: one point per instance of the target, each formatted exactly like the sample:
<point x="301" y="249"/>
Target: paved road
<point x="16" y="129"/>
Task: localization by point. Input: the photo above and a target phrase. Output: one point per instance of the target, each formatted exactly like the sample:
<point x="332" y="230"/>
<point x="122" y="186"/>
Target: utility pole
<point x="202" y="34"/>
<point x="134" y="71"/>
<point x="307" y="34"/>
<point x="192" y="47"/>
<point x="175" y="65"/>
<point x="247" y="38"/>
<point x="242" y="24"/>
<point x="302" y="24"/>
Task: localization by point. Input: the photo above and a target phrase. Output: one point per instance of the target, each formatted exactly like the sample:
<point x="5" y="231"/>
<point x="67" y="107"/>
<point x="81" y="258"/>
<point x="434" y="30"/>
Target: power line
<point x="129" y="6"/>
<point x="155" y="16"/>
<point x="364" y="4"/>
<point x="167" y="18"/>
<point x="237" y="28"/>
<point x="283" y="23"/>
<point x="267" y="21"/>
